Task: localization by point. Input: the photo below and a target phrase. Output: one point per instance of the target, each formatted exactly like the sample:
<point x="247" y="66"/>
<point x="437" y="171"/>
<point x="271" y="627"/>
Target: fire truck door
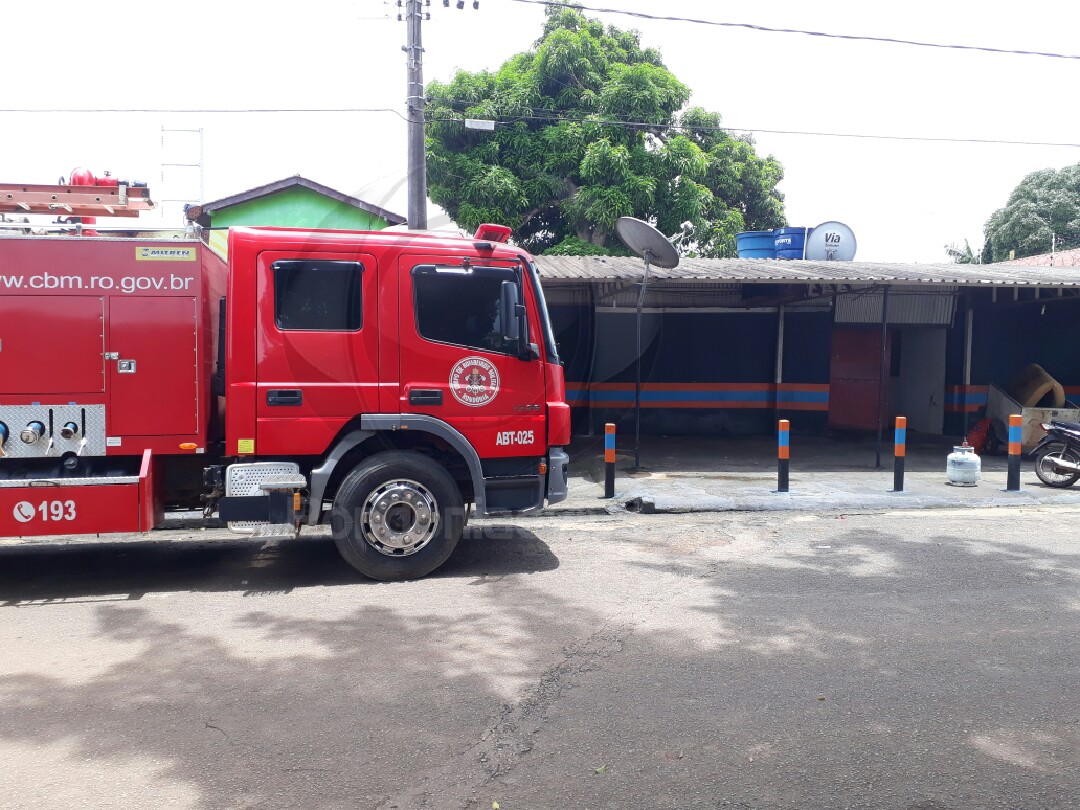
<point x="457" y="366"/>
<point x="317" y="344"/>
<point x="152" y="366"/>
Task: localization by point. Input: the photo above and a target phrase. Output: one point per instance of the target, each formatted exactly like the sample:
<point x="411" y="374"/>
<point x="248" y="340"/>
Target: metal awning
<point x="591" y="269"/>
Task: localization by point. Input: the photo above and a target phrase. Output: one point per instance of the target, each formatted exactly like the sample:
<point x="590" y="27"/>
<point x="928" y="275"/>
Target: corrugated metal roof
<point x="759" y="271"/>
<point x="907" y="305"/>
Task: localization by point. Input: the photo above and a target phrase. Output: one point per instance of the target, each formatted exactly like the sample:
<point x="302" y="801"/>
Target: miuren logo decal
<point x="474" y="381"/>
<point x="148" y="253"/>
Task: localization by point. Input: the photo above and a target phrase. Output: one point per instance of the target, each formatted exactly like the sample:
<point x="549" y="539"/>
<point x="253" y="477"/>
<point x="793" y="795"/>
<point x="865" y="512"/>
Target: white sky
<point x="904" y="200"/>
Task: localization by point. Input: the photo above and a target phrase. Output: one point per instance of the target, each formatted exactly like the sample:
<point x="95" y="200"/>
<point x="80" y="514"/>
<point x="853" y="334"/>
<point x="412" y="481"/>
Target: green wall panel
<point x="297" y="207"/>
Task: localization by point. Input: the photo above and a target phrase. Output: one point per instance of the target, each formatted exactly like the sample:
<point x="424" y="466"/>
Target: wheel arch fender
<point x="374" y="424"/>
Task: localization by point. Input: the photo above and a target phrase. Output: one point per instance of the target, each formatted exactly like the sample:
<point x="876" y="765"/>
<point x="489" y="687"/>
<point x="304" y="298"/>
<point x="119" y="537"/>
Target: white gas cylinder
<point x="963" y="467"/>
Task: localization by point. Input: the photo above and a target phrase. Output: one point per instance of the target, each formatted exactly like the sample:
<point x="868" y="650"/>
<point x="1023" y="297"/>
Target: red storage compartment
<point x="51" y="344"/>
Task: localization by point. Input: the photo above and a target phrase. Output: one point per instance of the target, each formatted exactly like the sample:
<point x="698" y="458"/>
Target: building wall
<point x="702" y="372"/>
<point x="711" y="372"/>
<point x="1006" y="337"/>
<point x="294" y="207"/>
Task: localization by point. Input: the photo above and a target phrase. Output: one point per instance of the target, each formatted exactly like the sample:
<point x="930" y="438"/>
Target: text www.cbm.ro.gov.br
<point x="125" y="284"/>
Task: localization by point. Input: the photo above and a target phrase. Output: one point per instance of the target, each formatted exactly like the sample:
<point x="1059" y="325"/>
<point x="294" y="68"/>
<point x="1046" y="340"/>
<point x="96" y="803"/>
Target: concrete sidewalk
<point x="700" y="474"/>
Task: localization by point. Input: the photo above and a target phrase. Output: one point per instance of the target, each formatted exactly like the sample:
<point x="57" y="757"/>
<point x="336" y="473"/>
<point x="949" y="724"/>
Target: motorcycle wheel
<point x="1046" y="470"/>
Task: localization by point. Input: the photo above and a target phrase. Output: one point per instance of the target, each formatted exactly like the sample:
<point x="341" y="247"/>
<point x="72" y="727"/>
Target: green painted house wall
<point x="295" y="207"/>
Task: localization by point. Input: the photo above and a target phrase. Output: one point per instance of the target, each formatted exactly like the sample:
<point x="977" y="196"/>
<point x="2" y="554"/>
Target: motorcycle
<point x="1057" y="456"/>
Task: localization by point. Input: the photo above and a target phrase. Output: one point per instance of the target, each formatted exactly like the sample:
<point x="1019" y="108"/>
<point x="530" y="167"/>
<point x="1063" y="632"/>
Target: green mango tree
<point x="590" y="126"/>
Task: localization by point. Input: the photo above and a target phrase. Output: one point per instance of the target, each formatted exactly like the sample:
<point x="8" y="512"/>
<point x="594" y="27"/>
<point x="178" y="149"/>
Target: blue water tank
<point x="788" y="242"/>
<point x="755" y="245"/>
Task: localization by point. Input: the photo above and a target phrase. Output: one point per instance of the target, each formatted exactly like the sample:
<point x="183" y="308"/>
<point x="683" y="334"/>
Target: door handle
<point x="122" y="366"/>
<point x="425" y="396"/>
<point x="284" y="396"/>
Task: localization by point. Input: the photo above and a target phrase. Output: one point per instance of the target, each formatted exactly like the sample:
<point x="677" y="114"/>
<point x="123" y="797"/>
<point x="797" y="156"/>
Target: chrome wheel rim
<point x="399" y="517"/>
<point x="1047" y="465"/>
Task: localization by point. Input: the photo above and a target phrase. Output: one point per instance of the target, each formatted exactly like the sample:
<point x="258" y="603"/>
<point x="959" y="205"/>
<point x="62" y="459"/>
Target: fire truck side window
<point x="461" y="309"/>
<point x="320" y="296"/>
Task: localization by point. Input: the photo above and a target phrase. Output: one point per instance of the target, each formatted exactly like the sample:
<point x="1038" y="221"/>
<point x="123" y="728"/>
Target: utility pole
<point x="414" y="51"/>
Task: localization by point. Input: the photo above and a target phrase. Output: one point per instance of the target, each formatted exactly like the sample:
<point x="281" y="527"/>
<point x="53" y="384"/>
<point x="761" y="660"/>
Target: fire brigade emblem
<point x="474" y="381"/>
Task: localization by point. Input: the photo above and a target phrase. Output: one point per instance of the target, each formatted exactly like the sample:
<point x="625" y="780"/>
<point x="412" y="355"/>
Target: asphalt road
<point x="920" y="660"/>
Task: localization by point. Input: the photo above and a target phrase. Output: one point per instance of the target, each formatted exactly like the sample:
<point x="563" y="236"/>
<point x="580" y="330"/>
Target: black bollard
<point x="1015" y="427"/>
<point x="783" y="455"/>
<point x="899" y="453"/>
<point x="609" y="460"/>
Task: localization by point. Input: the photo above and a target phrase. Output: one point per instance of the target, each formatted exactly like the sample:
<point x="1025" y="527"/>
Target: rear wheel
<point x="1047" y="470"/>
<point x="398" y="515"/>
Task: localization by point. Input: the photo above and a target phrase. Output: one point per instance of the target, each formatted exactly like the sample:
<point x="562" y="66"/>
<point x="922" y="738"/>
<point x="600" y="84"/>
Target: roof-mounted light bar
<point x="493" y="233"/>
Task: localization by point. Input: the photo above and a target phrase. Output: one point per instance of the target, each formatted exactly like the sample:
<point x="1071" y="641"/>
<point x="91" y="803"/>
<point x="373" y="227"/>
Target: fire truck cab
<point x="385" y="384"/>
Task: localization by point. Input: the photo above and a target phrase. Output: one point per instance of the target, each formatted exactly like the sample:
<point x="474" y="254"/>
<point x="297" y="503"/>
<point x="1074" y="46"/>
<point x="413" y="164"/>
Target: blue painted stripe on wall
<point x="677" y="396"/>
<point x="968" y="398"/>
<point x="672" y="395"/>
<point x="802" y="396"/>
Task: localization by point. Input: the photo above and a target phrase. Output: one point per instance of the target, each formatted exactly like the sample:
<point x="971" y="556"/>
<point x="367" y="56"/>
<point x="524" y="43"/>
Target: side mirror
<point x="513" y="326"/>
<point x="509" y="318"/>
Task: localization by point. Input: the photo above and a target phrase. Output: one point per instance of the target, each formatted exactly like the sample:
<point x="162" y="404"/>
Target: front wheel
<point x="398" y="515"/>
<point x="1047" y="470"/>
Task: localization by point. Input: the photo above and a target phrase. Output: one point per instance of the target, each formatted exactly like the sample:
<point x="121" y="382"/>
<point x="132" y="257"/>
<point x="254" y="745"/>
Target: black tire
<point x="993" y="443"/>
<point x="398" y="515"/>
<point x="1044" y="466"/>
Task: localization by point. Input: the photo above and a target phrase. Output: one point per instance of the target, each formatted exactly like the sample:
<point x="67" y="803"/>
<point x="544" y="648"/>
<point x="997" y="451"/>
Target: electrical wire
<point x="200" y="111"/>
<point x="559" y="119"/>
<point x="755" y="131"/>
<point x="823" y="34"/>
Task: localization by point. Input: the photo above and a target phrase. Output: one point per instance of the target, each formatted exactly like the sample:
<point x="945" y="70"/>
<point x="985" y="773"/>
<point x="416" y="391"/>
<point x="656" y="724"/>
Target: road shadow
<point x="867" y="668"/>
<point x="128" y="570"/>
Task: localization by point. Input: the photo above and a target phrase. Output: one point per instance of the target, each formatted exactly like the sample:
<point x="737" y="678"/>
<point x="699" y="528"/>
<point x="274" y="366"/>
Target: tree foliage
<point x="1042" y="210"/>
<point x="562" y="166"/>
<point x="963" y="255"/>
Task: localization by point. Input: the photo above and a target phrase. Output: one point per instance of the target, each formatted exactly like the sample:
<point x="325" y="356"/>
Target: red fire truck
<point x="386" y="384"/>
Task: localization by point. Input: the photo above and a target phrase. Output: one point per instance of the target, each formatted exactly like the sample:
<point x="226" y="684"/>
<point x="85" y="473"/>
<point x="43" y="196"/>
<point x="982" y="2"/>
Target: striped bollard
<point x="1016" y="423"/>
<point x="783" y="454"/>
<point x="899" y="454"/>
<point x="609" y="460"/>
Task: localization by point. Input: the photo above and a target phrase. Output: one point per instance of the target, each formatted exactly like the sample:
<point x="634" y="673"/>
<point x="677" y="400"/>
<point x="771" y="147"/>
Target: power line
<point x="824" y="34"/>
<point x="753" y="131"/>
<point x="200" y="111"/>
<point x="557" y="118"/>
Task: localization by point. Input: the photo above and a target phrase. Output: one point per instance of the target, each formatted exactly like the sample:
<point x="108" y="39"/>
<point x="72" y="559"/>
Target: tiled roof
<point x="1062" y="258"/>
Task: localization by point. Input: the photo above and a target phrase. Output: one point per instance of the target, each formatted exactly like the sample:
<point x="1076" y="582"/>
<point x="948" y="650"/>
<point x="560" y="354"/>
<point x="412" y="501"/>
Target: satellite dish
<point x="654" y="248"/>
<point x="831" y="242"/>
<point x="647" y="242"/>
